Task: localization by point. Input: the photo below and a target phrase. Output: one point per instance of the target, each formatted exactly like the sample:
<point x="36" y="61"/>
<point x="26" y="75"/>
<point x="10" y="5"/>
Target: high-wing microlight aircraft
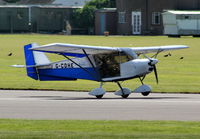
<point x="96" y="63"/>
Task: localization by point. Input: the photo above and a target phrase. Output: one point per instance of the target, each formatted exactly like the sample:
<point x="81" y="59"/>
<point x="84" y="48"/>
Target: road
<point x="60" y="105"/>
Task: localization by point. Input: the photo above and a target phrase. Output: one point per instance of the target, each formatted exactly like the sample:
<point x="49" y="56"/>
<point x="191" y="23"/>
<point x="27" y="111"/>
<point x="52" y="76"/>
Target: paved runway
<point x="81" y="106"/>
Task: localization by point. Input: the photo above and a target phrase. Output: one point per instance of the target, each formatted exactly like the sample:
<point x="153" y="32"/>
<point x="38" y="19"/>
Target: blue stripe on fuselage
<point x="74" y="73"/>
<point x="52" y="78"/>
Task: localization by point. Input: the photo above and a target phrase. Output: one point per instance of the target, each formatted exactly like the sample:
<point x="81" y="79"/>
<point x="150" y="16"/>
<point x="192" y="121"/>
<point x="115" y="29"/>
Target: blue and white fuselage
<point x="102" y="64"/>
<point x="114" y="68"/>
<point x="67" y="69"/>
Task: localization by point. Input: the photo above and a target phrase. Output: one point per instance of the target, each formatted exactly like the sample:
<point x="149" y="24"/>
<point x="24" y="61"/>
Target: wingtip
<point x="185" y="46"/>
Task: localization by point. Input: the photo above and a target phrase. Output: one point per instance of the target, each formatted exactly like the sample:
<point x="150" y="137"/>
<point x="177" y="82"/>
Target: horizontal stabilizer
<point x="18" y="66"/>
<point x="24" y="66"/>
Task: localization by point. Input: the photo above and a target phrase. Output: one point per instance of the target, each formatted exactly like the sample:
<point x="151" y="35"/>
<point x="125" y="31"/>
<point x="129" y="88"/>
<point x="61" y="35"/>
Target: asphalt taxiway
<point x="61" y="105"/>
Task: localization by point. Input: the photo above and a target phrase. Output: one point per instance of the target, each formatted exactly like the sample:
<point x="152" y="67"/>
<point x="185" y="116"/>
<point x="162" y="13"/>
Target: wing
<point x="74" y="49"/>
<point x="157" y="49"/>
<point x="81" y="50"/>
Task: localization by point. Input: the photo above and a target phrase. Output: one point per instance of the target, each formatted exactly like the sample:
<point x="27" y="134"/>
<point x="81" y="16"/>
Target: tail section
<point x="40" y="57"/>
<point x="36" y="66"/>
<point x="33" y="59"/>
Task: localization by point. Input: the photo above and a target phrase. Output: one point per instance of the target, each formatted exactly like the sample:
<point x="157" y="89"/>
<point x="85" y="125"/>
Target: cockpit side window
<point x="122" y="57"/>
<point x="112" y="58"/>
<point x="109" y="64"/>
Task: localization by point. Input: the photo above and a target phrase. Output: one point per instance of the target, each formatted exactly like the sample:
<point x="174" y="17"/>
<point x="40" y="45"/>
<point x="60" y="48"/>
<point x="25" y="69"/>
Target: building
<point x="106" y="21"/>
<point x="26" y="18"/>
<point x="145" y="16"/>
<point x="47" y="16"/>
<point x="177" y="23"/>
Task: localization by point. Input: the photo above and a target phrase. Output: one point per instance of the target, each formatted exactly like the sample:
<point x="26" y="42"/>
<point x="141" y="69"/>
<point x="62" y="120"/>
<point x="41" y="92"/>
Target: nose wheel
<point x="99" y="96"/>
<point x="123" y="92"/>
<point x="144" y="89"/>
<point x="146" y="93"/>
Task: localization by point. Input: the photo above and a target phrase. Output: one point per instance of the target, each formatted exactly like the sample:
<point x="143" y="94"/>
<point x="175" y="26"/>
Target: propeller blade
<point x="156" y="74"/>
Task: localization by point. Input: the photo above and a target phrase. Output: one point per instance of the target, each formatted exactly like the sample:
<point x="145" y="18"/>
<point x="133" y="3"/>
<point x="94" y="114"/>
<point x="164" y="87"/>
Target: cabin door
<point x="136" y="22"/>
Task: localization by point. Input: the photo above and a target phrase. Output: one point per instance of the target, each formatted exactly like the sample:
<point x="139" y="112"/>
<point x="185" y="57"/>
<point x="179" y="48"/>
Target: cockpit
<point x="109" y="64"/>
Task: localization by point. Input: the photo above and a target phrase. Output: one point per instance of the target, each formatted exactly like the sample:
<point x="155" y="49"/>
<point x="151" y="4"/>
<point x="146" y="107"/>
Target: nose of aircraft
<point x="153" y="61"/>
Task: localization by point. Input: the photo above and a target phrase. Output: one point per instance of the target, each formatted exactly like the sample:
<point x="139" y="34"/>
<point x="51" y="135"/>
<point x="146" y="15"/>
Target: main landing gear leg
<point x="98" y="92"/>
<point x="100" y="96"/>
<point x="124" y="92"/>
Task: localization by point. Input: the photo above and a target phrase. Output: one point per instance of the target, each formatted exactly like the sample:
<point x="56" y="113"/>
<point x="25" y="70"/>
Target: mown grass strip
<point x="98" y="129"/>
<point x="30" y="129"/>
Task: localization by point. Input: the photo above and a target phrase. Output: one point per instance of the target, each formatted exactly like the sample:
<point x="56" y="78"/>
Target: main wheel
<point x="125" y="96"/>
<point x="146" y="93"/>
<point x="99" y="96"/>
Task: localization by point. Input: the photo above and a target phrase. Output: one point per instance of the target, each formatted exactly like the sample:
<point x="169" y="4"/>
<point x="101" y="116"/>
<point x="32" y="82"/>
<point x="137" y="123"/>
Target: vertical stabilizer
<point x="33" y="59"/>
<point x="40" y="57"/>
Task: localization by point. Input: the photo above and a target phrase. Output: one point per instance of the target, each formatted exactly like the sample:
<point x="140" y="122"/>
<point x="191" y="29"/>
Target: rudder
<point x="30" y="62"/>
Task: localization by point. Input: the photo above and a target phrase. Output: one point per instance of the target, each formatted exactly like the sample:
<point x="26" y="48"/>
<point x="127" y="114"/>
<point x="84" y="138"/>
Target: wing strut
<point x="89" y="60"/>
<point x="159" y="51"/>
<point x="79" y="66"/>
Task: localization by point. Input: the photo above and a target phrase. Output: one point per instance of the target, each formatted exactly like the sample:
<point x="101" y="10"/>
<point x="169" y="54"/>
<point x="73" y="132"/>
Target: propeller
<point x="156" y="73"/>
<point x="153" y="63"/>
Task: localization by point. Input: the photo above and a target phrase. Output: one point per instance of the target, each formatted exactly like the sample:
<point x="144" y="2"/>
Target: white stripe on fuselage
<point x="83" y="62"/>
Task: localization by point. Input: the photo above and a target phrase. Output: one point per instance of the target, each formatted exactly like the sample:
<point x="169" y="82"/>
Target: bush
<point x="84" y="18"/>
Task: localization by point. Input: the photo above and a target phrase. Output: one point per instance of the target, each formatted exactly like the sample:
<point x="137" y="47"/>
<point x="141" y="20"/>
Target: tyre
<point x="145" y="93"/>
<point x="99" y="96"/>
<point x="125" y="96"/>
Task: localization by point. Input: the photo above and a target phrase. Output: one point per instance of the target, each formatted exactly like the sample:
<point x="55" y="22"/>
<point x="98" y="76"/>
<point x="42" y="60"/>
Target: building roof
<point x="2" y="2"/>
<point x="39" y="6"/>
<point x="182" y="12"/>
<point x="107" y="10"/>
<point x="70" y="2"/>
<point x="35" y="2"/>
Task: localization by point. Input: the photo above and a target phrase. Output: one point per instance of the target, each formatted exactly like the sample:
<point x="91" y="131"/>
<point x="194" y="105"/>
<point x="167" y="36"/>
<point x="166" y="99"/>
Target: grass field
<point x="175" y="75"/>
<point x="36" y="129"/>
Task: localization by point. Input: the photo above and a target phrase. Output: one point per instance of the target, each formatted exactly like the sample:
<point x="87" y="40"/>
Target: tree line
<point x="84" y="18"/>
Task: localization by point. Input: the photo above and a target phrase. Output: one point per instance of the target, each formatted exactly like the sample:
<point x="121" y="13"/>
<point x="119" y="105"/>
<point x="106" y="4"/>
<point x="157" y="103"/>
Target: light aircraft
<point x="96" y="63"/>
